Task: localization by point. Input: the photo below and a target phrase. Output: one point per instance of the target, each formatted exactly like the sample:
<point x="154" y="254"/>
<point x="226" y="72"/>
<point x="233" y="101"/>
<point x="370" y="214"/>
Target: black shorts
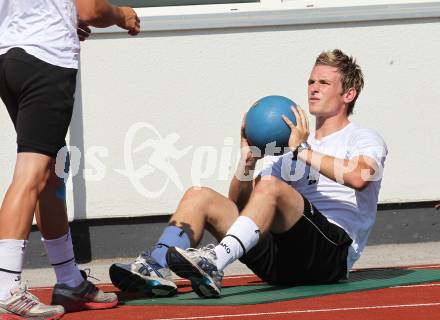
<point x="39" y="97"/>
<point x="313" y="251"/>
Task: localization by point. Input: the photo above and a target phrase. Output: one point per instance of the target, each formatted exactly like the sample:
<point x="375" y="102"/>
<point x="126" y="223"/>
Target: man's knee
<point x="270" y="185"/>
<point x="198" y="194"/>
<point x="33" y="178"/>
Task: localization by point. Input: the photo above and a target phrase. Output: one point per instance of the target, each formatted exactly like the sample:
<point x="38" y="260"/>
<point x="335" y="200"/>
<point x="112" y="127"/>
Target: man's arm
<point x="241" y="185"/>
<point x="101" y="14"/>
<point x="355" y="173"/>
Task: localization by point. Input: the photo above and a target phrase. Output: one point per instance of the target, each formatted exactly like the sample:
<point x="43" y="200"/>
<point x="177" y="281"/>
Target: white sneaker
<point x="143" y="275"/>
<point x="24" y="305"/>
<point x="197" y="265"/>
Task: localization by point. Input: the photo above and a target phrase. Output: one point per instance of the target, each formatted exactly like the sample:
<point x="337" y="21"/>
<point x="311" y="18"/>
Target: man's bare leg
<point x="204" y="208"/>
<point x="199" y="208"/>
<point x="30" y="177"/>
<point x="51" y="216"/>
<point x="51" y="211"/>
<point x="16" y="214"/>
<point x="274" y="205"/>
<point x="71" y="290"/>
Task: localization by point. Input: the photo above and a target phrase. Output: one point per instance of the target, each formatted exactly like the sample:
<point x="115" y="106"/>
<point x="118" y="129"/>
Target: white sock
<point x="11" y="264"/>
<point x="60" y="254"/>
<point x="242" y="236"/>
<point x="172" y="236"/>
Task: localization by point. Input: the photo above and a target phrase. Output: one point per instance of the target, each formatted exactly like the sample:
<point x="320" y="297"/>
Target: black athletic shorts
<point x="39" y="97"/>
<point x="313" y="251"/>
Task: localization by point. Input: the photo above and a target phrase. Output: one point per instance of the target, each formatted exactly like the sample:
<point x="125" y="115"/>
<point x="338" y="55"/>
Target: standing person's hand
<point x="437" y="206"/>
<point x="83" y="30"/>
<point x="130" y="20"/>
<point x="300" y="132"/>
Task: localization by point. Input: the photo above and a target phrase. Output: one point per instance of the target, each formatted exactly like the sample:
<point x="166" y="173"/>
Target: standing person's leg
<point x="39" y="98"/>
<point x="16" y="214"/>
<point x="30" y="176"/>
<point x="51" y="107"/>
<point x="51" y="217"/>
<point x="71" y="291"/>
<point x="199" y="209"/>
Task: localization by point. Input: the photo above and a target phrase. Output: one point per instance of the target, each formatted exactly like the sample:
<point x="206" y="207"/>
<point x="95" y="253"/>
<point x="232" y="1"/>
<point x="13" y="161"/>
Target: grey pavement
<point x="388" y="255"/>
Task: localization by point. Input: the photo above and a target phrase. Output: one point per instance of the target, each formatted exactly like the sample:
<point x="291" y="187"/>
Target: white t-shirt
<point x="45" y="29"/>
<point x="354" y="211"/>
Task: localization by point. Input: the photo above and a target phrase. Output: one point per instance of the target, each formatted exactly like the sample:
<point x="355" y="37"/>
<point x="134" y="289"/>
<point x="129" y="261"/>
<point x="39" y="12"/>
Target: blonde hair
<point x="351" y="73"/>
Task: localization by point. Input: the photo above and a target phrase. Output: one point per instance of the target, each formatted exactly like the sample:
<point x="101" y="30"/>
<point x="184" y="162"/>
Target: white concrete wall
<point x="199" y="83"/>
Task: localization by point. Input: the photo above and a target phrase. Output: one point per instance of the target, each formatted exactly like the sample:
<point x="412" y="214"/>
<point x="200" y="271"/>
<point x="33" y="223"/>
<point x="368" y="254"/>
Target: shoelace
<point x="23" y="289"/>
<point x="206" y="252"/>
<point x="143" y="257"/>
<point x="206" y="256"/>
<point x="86" y="274"/>
<point x="146" y="261"/>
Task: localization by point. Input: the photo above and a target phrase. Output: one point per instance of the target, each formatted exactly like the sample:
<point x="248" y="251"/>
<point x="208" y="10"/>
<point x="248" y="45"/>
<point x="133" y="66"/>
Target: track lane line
<point x="416" y="285"/>
<point x="305" y="311"/>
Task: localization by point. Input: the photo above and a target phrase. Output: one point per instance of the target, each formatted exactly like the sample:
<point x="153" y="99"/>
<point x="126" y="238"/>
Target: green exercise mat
<point x="263" y="293"/>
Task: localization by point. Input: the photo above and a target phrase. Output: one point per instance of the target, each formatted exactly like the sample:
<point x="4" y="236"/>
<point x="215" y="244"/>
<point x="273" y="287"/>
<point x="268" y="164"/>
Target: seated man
<point x="304" y="220"/>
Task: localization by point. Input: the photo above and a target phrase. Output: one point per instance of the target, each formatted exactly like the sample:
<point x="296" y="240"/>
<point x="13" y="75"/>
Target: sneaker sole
<point x="127" y="281"/>
<point x="201" y="282"/>
<point x="100" y="305"/>
<point x="73" y="304"/>
<point x="16" y="317"/>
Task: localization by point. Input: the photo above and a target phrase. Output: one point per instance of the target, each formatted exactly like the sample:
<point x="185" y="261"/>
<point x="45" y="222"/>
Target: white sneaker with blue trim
<point x="143" y="275"/>
<point x="197" y="265"/>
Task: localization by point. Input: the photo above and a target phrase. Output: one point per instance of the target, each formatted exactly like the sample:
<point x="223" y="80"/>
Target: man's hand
<point x="437" y="206"/>
<point x="130" y="20"/>
<point x="83" y="30"/>
<point x="249" y="154"/>
<point x="300" y="132"/>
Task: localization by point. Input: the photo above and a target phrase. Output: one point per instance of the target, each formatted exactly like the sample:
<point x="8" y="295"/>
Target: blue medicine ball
<point x="264" y="125"/>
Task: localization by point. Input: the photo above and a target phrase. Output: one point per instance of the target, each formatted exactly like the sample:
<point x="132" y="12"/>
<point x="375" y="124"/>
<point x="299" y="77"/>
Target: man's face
<point x="325" y="91"/>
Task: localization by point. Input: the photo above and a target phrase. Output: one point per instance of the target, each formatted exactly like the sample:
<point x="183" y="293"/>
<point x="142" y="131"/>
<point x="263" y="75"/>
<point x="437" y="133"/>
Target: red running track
<point x="415" y="302"/>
